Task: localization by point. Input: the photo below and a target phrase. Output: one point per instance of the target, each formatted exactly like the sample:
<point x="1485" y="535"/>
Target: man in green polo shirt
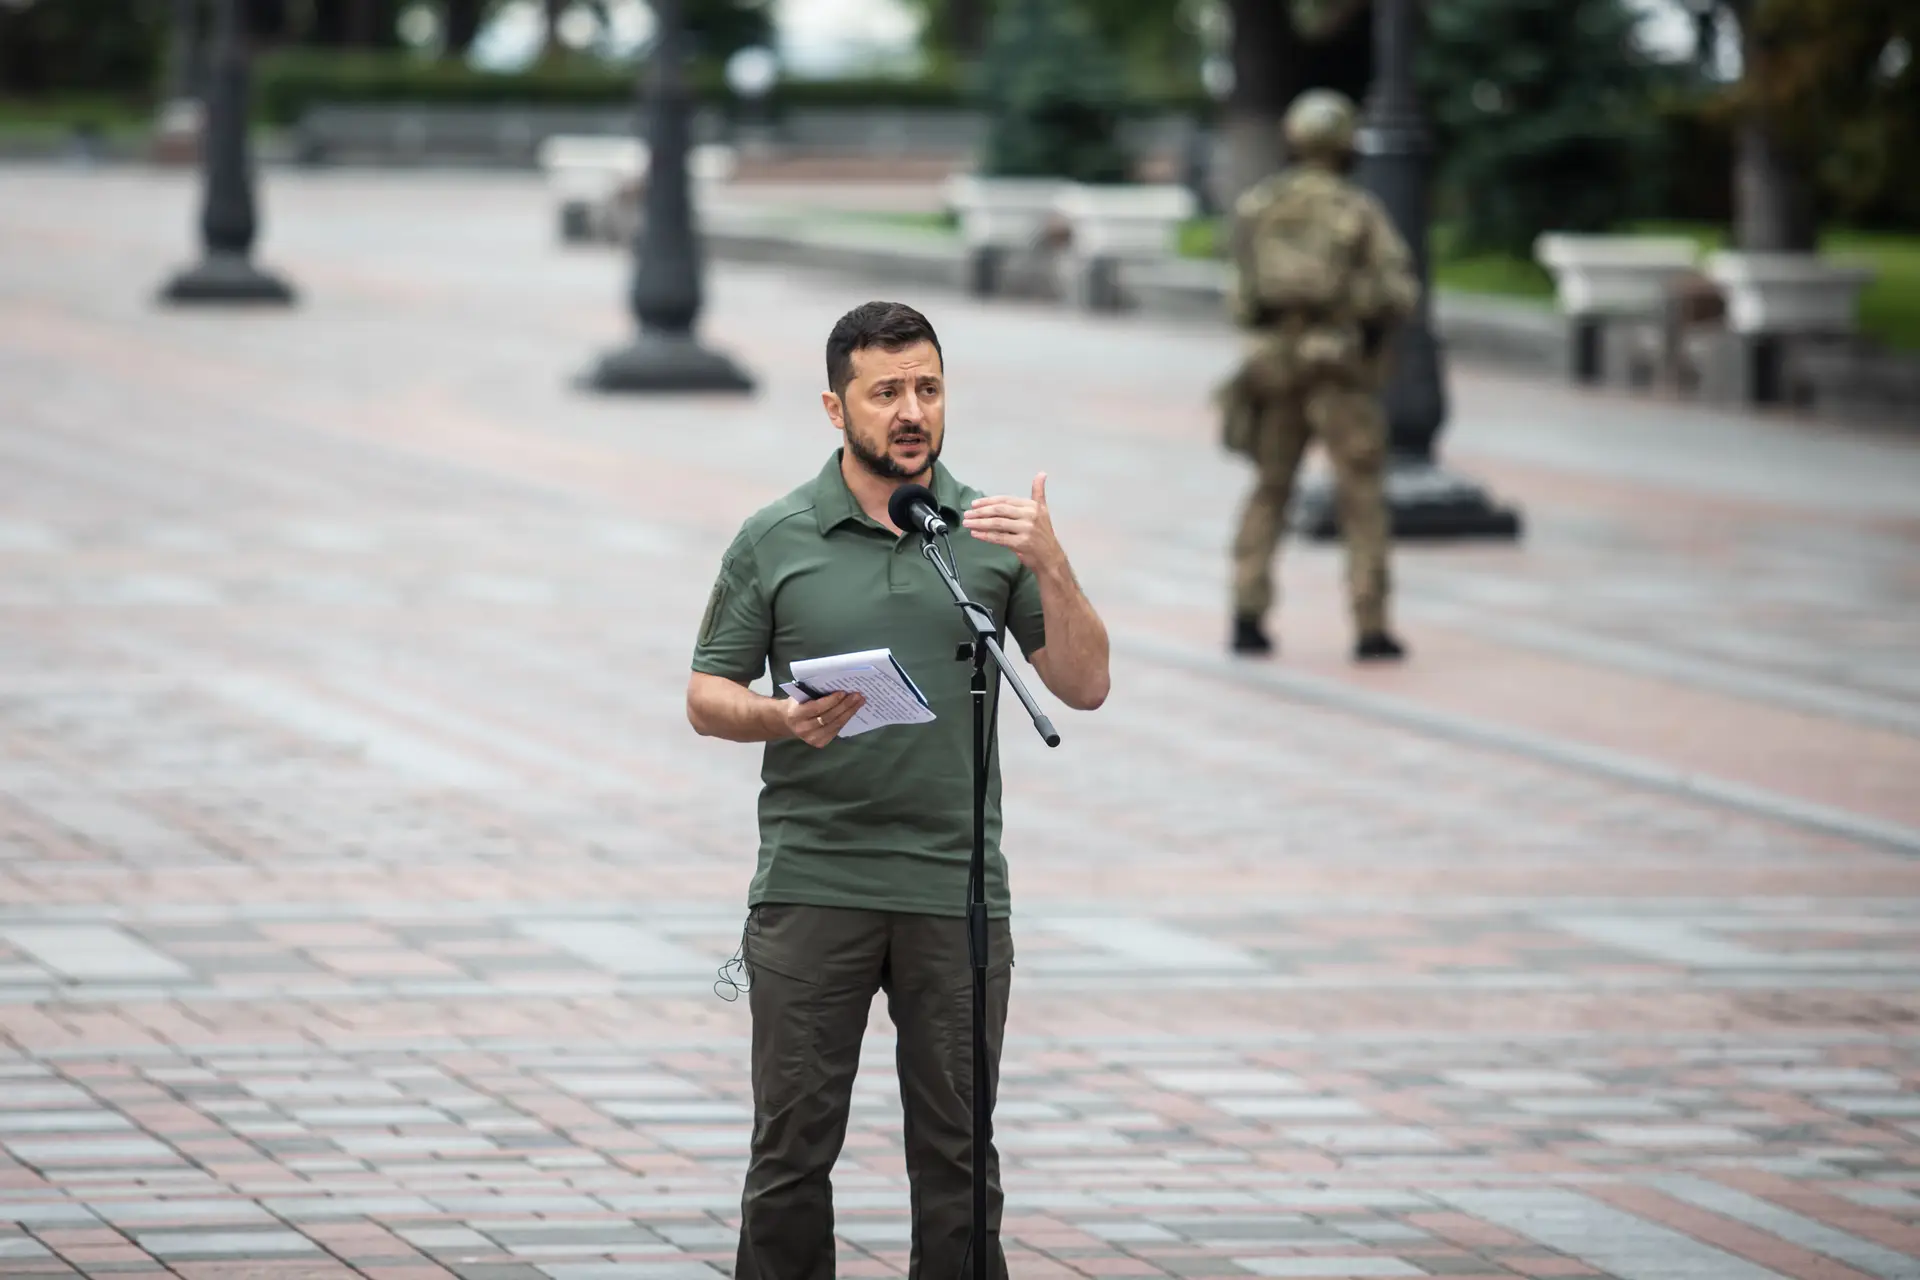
<point x="864" y="841"/>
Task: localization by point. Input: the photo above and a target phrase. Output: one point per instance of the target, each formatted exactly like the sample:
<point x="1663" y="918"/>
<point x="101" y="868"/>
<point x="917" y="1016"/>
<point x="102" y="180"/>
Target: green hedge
<point x="289" y="81"/>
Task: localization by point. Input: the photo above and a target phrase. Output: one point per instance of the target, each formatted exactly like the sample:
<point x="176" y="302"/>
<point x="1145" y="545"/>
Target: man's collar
<point x="834" y="504"/>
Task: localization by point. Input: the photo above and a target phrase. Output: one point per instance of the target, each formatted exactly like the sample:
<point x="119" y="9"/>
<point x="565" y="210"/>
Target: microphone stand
<point x="985" y="644"/>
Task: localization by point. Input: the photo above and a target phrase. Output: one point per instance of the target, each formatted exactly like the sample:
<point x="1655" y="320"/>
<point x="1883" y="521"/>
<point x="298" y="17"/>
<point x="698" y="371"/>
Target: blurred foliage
<point x="1695" y="163"/>
<point x="59" y="117"/>
<point x="1544" y="115"/>
<point x="352" y="24"/>
<point x="1316" y="19"/>
<point x="1157" y="50"/>
<point x="721" y="28"/>
<point x="289" y="81"/>
<point x="111" y="47"/>
<point x="1839" y="84"/>
<point x="1054" y="97"/>
<point x="1156" y="42"/>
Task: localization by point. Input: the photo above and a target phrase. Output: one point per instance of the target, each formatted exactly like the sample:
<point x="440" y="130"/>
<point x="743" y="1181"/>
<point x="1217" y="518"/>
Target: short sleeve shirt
<point x="882" y="821"/>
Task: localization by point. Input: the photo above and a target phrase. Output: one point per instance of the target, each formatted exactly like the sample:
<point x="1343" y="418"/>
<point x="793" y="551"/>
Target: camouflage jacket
<point x="1321" y="277"/>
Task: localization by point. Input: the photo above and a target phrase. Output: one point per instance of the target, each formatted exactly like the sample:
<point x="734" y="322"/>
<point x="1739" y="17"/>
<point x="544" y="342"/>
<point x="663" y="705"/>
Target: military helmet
<point x="1320" y="122"/>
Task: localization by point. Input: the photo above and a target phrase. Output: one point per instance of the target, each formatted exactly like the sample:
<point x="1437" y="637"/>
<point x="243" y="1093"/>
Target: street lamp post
<point x="227" y="219"/>
<point x="665" y="297"/>
<point x="1426" y="500"/>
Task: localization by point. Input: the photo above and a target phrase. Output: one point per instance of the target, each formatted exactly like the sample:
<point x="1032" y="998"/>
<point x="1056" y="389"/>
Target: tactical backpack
<point x="1301" y="246"/>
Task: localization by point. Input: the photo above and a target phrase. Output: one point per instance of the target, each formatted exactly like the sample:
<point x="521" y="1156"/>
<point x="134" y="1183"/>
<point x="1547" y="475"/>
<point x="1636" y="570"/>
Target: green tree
<point x="1156" y="48"/>
<point x="716" y="29"/>
<point x="1543" y="114"/>
<point x="721" y="28"/>
<point x="352" y="24"/>
<point x="1054" y="97"/>
<point x="954" y="30"/>
<point x="462" y="23"/>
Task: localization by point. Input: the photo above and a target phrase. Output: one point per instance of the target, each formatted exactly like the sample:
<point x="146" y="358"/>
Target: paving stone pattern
<point x="362" y="889"/>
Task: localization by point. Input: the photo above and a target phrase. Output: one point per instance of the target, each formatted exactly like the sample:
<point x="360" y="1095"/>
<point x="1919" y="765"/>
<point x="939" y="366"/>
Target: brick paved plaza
<point x="362" y="887"/>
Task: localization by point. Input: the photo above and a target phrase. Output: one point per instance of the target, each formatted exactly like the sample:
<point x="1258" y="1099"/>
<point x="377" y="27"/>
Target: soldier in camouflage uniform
<point x="1322" y="279"/>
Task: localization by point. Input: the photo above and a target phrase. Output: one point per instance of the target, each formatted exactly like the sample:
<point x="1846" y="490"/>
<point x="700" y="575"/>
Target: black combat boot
<point x="1378" y="646"/>
<point x="1250" y="637"/>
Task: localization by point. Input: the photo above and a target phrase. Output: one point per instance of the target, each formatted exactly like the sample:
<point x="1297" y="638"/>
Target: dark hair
<point x="890" y="326"/>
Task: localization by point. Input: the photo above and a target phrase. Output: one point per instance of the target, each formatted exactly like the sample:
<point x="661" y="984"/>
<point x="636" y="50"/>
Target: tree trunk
<point x="463" y="24"/>
<point x="1772" y="190"/>
<point x="967" y="28"/>
<point x="550" y="38"/>
<point x="1773" y="204"/>
<point x="267" y="20"/>
<point x="329" y="23"/>
<point x="361" y="23"/>
<point x="1269" y="68"/>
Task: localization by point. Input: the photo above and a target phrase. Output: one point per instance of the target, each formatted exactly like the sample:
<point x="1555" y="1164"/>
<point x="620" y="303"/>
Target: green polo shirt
<point x="882" y="821"/>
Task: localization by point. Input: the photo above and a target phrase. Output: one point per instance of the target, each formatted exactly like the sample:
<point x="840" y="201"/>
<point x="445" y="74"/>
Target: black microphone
<point x="914" y="509"/>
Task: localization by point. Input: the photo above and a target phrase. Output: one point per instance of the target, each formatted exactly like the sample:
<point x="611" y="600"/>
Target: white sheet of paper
<point x="892" y="697"/>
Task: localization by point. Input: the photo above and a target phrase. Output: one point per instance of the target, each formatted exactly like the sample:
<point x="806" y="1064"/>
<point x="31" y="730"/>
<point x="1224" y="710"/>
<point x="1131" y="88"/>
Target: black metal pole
<point x="1396" y="151"/>
<point x="977" y="944"/>
<point x="985" y="648"/>
<point x="665" y="296"/>
<point x="1396" y="154"/>
<point x="228" y="223"/>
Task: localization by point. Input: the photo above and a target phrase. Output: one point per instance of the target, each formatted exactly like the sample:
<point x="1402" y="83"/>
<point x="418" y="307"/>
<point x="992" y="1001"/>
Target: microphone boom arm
<point x="987" y="635"/>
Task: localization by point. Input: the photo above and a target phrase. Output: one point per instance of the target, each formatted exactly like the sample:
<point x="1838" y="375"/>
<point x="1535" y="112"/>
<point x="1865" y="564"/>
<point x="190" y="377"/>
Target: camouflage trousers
<point x="1349" y="423"/>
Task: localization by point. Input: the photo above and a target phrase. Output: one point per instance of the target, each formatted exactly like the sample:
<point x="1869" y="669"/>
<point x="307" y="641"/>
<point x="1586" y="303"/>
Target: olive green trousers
<point x="814" y="973"/>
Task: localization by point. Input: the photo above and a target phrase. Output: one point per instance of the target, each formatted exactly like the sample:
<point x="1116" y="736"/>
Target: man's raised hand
<point x="1022" y="525"/>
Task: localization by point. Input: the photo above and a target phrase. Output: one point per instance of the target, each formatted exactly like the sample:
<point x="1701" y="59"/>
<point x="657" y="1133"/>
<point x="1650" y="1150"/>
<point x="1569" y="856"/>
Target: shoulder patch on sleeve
<point x="716" y="601"/>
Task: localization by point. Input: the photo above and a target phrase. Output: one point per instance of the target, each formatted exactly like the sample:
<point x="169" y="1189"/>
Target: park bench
<point x="1004" y="223"/>
<point x="1021" y="230"/>
<point x="1784" y="311"/>
<point x="1740" y="328"/>
<point x="1617" y="293"/>
<point x="597" y="179"/>
<point x="1112" y="227"/>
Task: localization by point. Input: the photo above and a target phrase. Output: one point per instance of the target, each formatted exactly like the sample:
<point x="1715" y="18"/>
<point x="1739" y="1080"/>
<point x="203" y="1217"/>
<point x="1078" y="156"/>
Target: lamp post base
<point x="1424" y="502"/>
<point x="666" y="363"/>
<point x="224" y="278"/>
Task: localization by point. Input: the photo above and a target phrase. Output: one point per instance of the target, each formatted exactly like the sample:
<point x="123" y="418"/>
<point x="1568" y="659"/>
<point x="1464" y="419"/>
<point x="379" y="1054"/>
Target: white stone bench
<point x="1000" y="217"/>
<point x="1776" y="301"/>
<point x="1112" y="226"/>
<point x="1790" y="293"/>
<point x="1605" y="282"/>
<point x="596" y="179"/>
